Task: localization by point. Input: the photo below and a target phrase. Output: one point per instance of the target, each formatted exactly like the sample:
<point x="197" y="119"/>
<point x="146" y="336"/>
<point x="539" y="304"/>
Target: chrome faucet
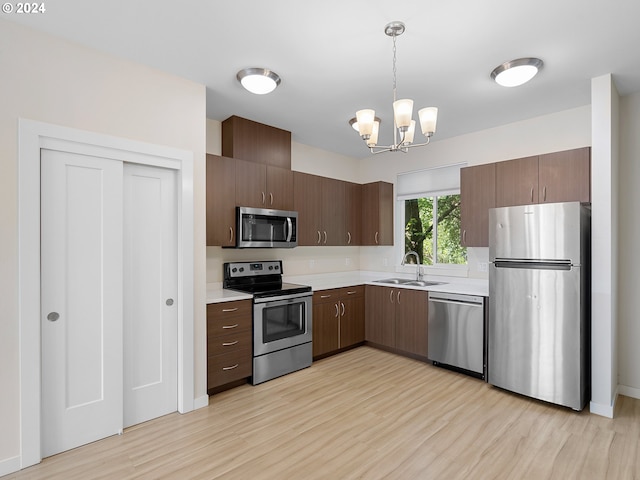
<point x="418" y="271"/>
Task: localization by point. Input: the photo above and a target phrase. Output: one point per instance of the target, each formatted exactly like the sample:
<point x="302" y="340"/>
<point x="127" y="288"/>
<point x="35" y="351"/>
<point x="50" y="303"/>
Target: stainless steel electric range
<point x="282" y="317"/>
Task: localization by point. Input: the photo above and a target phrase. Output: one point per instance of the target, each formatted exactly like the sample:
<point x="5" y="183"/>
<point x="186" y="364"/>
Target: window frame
<point x="448" y="269"/>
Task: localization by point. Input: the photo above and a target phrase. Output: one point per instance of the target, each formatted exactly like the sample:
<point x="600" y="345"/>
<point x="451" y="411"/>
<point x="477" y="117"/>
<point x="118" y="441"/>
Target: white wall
<point x="604" y="235"/>
<point x="51" y="80"/>
<point x="628" y="241"/>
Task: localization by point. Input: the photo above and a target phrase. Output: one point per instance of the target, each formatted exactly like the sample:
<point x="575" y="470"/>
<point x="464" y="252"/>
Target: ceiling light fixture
<point x="516" y="72"/>
<point x="258" y="80"/>
<point x="369" y="124"/>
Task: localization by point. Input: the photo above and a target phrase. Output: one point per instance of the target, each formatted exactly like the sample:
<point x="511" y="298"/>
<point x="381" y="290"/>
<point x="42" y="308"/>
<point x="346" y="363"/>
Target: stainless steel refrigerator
<point x="539" y="316"/>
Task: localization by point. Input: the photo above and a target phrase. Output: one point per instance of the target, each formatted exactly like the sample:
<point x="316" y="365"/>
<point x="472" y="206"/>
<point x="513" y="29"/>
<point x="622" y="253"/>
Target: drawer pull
<point x="230" y="326"/>
<point x="227" y="310"/>
<point x="228" y="344"/>
<point x="325" y="296"/>
<point x="351" y="292"/>
<point x="230" y="368"/>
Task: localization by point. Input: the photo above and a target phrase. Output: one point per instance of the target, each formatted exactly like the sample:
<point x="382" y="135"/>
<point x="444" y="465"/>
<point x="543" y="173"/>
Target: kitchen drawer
<point x="219" y="344"/>
<point x="234" y="319"/>
<point x="333" y="294"/>
<point x="229" y="367"/>
<point x="228" y="309"/>
<point x="357" y="291"/>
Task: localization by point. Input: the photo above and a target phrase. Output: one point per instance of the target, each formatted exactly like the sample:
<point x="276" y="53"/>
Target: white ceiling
<point x="334" y="57"/>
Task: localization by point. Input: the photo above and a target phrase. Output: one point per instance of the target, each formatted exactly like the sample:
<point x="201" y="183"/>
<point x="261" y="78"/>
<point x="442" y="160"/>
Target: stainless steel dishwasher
<point x="456" y="332"/>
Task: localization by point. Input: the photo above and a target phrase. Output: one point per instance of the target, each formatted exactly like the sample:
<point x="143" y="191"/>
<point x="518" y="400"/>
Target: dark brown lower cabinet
<point x="229" y="343"/>
<point x="338" y="319"/>
<point x="397" y="318"/>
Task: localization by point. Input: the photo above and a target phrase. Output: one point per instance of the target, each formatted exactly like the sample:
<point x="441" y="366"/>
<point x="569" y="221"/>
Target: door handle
<point x="319" y="237"/>
<point x="337" y="311"/>
<point x="263" y="198"/>
<point x="531" y="194"/>
<point x="349" y="238"/>
<point x="53" y="316"/>
<point x="398" y="296"/>
<point x="544" y="193"/>
<point x="230" y="235"/>
<point x="229" y="326"/>
<point x="325" y="237"/>
<point x="376" y="238"/>
<point x="230" y="368"/>
<point x="342" y="308"/>
<point x="464" y="236"/>
<point x="271" y="198"/>
<point x="391" y="296"/>
<point x="229" y="344"/>
<point x="169" y="302"/>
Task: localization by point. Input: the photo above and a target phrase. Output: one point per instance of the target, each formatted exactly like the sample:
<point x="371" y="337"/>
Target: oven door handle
<point x="283" y="298"/>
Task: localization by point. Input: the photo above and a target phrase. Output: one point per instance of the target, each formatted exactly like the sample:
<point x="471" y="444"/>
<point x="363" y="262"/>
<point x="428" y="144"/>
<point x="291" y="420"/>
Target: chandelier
<point x="368" y="124"/>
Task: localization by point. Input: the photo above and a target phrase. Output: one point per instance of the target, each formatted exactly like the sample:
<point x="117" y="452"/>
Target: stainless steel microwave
<point x="265" y="228"/>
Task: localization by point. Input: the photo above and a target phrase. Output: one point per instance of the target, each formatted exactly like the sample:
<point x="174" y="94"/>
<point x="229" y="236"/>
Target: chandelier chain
<point x="394" y="68"/>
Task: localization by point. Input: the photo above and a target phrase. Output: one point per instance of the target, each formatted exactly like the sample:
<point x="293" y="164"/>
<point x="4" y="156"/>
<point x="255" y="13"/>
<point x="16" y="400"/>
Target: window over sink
<point x="429" y="215"/>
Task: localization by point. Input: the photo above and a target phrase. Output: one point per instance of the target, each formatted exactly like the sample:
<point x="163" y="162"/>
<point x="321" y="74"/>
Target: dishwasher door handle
<point x="456" y="302"/>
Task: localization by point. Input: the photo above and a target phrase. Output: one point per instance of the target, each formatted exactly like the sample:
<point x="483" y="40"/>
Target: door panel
<point x="81" y="299"/>
<point x="150" y="282"/>
<point x="535" y="333"/>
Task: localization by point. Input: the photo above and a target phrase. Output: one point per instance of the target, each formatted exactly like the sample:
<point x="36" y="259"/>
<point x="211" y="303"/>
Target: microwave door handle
<point x="289" y="229"/>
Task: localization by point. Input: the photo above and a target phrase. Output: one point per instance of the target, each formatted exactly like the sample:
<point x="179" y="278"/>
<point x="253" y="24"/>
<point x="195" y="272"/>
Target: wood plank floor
<point x="365" y="414"/>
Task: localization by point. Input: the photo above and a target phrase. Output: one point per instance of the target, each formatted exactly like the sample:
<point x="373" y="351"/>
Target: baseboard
<point x="605" y="410"/>
<point x="10" y="465"/>
<point x="629" y="391"/>
<point x="201" y="402"/>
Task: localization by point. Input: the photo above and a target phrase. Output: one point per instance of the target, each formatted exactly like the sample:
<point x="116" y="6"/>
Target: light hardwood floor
<point x="365" y="414"/>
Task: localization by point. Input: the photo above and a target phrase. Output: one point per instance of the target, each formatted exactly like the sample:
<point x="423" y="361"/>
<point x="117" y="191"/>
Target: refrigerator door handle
<point x="535" y="265"/>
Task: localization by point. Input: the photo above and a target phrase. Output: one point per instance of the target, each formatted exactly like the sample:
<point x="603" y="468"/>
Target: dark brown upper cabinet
<point x="256" y="142"/>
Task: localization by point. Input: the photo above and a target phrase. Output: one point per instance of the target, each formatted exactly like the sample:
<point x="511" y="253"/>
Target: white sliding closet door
<point x="150" y="289"/>
<point x="81" y="282"/>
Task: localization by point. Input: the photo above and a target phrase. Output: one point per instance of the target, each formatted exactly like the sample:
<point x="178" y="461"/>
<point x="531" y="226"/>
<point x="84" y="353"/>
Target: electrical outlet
<point x="482" y="266"/>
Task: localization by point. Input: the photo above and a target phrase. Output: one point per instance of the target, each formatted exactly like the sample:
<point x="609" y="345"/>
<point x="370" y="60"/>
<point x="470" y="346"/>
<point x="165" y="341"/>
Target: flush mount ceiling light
<point x="258" y="80"/>
<point x="368" y="124"/>
<point x="516" y="72"/>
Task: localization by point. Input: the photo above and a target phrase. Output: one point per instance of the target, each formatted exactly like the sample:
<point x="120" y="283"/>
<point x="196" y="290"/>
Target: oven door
<point x="281" y="322"/>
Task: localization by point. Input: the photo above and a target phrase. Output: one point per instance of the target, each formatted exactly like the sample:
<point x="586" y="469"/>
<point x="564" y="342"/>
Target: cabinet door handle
<point x="226" y="310"/>
<point x="391" y="296"/>
<point x="263" y="198"/>
<point x="544" y="193"/>
<point x="398" y="296"/>
<point x="230" y="368"/>
<point x="464" y="236"/>
<point x="337" y="311"/>
<point x="348" y="238"/>
<point x="319" y="237"/>
<point x="325" y="296"/>
<point x="230" y="235"/>
<point x="376" y="238"/>
<point x="271" y="198"/>
<point x="531" y="194"/>
<point x="325" y="237"/>
<point x="226" y="327"/>
<point x="228" y="344"/>
<point x="342" y="308"/>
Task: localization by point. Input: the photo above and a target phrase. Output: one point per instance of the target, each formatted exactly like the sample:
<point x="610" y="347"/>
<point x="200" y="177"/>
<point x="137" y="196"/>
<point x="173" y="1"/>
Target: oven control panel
<point x="252" y="269"/>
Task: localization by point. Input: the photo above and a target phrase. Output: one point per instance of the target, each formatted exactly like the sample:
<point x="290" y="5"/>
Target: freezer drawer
<point x="456" y="331"/>
<point x="537" y="334"/>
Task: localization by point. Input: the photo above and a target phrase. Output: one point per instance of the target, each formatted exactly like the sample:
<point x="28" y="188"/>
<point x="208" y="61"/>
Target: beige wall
<point x="51" y="80"/>
<point x="629" y="260"/>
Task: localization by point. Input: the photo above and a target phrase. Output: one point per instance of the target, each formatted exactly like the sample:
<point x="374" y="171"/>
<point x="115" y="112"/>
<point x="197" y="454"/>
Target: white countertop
<point x="462" y="285"/>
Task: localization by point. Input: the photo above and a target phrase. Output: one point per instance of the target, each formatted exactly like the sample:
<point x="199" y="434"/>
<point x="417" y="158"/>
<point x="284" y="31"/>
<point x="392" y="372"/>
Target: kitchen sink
<point x="407" y="281"/>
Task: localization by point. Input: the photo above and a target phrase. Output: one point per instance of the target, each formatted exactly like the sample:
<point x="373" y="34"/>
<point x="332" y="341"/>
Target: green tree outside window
<point x="420" y="230"/>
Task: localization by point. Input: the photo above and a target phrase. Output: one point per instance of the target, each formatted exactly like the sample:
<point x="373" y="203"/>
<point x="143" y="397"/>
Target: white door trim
<point x="32" y="137"/>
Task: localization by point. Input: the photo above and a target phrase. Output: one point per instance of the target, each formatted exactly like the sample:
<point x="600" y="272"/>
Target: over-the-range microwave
<point x="266" y="228"/>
